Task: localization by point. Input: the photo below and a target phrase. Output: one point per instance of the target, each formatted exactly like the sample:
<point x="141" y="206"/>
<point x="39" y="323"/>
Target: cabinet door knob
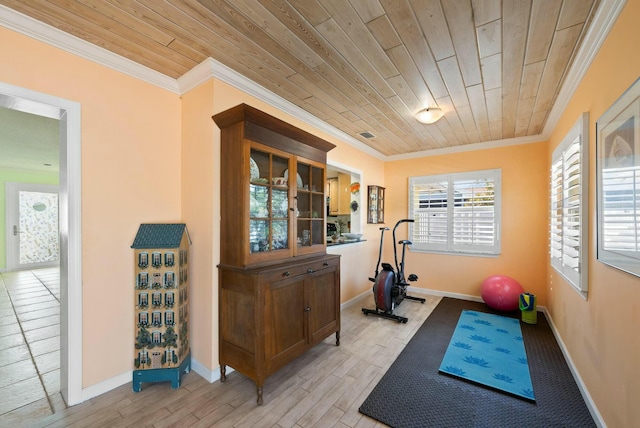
<point x="287" y="273"/>
<point x="309" y="270"/>
<point x="307" y="309"/>
<point x="325" y="264"/>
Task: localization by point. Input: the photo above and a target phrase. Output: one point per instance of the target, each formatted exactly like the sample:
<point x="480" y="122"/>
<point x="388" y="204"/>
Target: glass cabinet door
<point x="287" y="204"/>
<point x="269" y="211"/>
<point x="310" y="226"/>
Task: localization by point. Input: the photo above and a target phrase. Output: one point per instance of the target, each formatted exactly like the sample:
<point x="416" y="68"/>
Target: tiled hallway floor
<point x="29" y="344"/>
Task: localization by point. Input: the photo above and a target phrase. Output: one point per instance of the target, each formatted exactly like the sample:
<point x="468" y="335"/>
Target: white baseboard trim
<point x="412" y="290"/>
<point x="427" y="291"/>
<point x="208" y="375"/>
<point x="595" y="414"/>
<point x="106" y="386"/>
<point x="127" y="377"/>
<point x="353" y="301"/>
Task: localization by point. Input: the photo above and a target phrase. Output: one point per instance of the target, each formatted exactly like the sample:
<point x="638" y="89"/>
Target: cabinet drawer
<point x="283" y="271"/>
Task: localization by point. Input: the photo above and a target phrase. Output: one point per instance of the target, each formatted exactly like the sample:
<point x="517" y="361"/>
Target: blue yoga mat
<point x="489" y="350"/>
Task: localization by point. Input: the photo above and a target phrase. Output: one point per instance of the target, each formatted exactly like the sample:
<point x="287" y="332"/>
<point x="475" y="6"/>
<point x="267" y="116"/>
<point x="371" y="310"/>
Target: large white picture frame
<point x="618" y="182"/>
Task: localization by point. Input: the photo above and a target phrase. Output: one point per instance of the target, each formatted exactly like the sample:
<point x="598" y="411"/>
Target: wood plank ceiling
<point x="494" y="67"/>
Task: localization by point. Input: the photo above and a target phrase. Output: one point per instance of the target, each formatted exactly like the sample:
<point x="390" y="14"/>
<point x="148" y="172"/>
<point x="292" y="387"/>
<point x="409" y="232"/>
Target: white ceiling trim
<point x="50" y="35"/>
<point x="606" y="15"/>
<point x="206" y="70"/>
<point x="210" y="68"/>
<point x="470" y="147"/>
<point x="603" y="20"/>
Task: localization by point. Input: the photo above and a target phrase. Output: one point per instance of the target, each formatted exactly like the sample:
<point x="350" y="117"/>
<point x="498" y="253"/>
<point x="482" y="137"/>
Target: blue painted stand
<point x="161" y="375"/>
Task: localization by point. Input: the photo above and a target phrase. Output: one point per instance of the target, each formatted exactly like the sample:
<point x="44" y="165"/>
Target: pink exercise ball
<point x="501" y="292"/>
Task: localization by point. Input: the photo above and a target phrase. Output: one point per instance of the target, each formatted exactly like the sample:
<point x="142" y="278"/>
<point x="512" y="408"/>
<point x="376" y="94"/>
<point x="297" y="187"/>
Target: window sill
<point x="455" y="253"/>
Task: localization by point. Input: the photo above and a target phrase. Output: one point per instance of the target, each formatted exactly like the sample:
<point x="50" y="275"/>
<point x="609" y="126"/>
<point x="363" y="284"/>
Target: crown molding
<point x="470" y="147"/>
<point x="210" y="68"/>
<point x="604" y="19"/>
<point x="50" y="35"/>
<point x="196" y="76"/>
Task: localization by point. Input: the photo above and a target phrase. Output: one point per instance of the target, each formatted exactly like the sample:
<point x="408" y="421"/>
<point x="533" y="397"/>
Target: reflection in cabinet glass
<point x="310" y="205"/>
<point x="375" y="208"/>
<point x="268" y="202"/>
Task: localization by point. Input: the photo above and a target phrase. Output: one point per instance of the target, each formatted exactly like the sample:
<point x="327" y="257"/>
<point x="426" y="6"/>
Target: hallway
<point x="29" y="344"/>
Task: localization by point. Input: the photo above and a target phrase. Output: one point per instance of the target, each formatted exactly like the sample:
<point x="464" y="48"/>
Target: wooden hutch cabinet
<point x="279" y="291"/>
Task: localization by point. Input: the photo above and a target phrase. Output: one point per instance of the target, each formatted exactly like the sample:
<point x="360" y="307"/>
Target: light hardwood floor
<point x="323" y="388"/>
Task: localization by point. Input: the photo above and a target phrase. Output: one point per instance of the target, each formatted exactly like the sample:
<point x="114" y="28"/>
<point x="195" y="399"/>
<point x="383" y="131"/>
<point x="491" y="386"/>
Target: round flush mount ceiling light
<point x="429" y="115"/>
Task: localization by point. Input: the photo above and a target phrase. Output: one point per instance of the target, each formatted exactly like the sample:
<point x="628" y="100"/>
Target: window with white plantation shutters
<point x="456" y="213"/>
<point x="568" y="224"/>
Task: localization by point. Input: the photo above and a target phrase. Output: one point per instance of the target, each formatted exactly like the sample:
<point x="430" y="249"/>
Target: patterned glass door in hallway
<point x="32" y="226"/>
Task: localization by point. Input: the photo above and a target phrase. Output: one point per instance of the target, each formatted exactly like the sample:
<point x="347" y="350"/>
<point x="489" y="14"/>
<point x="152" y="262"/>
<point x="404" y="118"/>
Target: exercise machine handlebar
<point x="395" y="253"/>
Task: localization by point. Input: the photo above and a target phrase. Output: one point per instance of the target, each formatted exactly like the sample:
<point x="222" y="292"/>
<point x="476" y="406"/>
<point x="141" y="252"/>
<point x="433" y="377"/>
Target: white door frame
<point x="12" y="219"/>
<point x="68" y="113"/>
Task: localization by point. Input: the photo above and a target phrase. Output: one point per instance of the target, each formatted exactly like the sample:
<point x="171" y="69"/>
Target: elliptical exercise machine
<point x="389" y="286"/>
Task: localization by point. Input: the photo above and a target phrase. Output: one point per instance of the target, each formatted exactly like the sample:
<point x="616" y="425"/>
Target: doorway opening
<point x="344" y="205"/>
<point x="32" y="235"/>
<point x="69" y="218"/>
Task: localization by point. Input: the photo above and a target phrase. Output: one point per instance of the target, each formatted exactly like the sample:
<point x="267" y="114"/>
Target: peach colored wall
<point x="357" y="264"/>
<point x="601" y="333"/>
<point x="199" y="163"/>
<point x="524" y="219"/>
<point x="358" y="260"/>
<point x="130" y="175"/>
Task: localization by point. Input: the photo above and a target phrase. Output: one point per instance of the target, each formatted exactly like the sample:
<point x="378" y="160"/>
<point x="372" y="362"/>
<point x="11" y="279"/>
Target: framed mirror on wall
<point x="618" y="182"/>
<point x="375" y="204"/>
